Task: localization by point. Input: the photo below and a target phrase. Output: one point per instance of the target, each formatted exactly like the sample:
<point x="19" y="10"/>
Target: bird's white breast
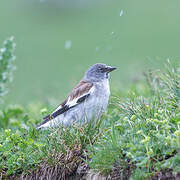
<point x="98" y="100"/>
<point x="102" y="93"/>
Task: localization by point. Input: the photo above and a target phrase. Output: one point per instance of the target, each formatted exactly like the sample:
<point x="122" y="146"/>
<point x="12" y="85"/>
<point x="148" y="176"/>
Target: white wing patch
<point x="74" y="101"/>
<point x="59" y="107"/>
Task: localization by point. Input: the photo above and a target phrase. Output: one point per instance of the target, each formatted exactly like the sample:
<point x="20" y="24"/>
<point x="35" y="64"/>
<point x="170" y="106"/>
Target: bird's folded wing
<point x="78" y="95"/>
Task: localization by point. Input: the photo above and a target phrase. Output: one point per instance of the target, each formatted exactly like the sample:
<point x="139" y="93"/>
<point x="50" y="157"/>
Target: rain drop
<point x="68" y="44"/>
<point x="121" y="13"/>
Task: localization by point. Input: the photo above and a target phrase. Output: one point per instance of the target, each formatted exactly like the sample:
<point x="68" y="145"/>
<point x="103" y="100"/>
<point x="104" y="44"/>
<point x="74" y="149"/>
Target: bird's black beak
<point x="110" y="68"/>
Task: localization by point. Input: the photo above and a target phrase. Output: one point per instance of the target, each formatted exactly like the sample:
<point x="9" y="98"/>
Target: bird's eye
<point x="100" y="69"/>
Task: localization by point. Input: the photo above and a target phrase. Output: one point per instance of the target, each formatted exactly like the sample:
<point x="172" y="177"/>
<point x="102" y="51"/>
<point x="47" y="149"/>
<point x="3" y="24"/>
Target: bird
<point x="87" y="101"/>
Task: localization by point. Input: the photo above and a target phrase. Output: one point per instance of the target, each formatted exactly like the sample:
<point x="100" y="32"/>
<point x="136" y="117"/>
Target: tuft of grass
<point x="27" y="151"/>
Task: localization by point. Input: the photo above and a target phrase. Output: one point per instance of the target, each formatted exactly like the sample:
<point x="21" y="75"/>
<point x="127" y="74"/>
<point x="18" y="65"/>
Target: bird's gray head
<point x="98" y="72"/>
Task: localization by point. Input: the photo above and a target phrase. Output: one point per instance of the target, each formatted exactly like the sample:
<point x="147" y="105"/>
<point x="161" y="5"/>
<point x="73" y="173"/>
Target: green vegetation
<point x="145" y="132"/>
<point x="137" y="138"/>
<point x="6" y="65"/>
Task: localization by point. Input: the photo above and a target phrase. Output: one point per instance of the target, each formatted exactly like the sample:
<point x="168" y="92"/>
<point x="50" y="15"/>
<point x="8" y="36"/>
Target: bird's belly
<point x="96" y="106"/>
<point x="91" y="109"/>
<point x="95" y="110"/>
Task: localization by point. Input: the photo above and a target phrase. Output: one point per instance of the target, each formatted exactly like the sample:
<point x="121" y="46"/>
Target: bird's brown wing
<point x="78" y="95"/>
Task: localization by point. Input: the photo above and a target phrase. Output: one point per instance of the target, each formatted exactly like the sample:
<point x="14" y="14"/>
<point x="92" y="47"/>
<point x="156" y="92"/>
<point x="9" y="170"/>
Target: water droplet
<point x="121" y="13"/>
<point x="97" y="48"/>
<point x="68" y="44"/>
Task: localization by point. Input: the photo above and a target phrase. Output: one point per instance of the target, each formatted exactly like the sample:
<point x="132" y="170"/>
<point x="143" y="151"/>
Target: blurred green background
<point x="58" y="40"/>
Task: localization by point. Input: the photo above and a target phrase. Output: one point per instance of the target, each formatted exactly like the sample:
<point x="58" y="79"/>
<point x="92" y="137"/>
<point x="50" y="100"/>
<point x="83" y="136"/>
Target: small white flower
<point x="4" y="75"/>
<point x="11" y="38"/>
<point x="3" y="50"/>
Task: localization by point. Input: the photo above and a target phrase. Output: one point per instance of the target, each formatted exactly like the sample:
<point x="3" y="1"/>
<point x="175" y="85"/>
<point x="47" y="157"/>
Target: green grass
<point x="140" y="132"/>
<point x="144" y="130"/>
